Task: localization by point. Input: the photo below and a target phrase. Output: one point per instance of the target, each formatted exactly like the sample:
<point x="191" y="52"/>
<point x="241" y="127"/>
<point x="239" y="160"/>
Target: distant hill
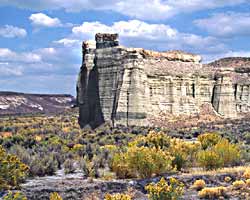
<point x="235" y="62"/>
<point x="13" y="103"/>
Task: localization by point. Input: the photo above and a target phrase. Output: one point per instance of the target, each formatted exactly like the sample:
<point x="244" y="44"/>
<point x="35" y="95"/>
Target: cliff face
<point x="131" y="85"/>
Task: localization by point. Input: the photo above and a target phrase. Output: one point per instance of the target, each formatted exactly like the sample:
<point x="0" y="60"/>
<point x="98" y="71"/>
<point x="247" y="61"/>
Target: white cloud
<point x="26" y="57"/>
<point x="42" y="20"/>
<point x="132" y="28"/>
<point x="6" y="69"/>
<point x="141" y="9"/>
<point x="68" y="42"/>
<point x="226" y="24"/>
<point x="4" y="52"/>
<point x="9" y="31"/>
<point x="43" y="61"/>
<point x="137" y="33"/>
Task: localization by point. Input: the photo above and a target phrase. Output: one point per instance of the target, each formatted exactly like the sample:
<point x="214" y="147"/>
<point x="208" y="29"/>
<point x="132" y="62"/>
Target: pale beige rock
<point x="130" y="85"/>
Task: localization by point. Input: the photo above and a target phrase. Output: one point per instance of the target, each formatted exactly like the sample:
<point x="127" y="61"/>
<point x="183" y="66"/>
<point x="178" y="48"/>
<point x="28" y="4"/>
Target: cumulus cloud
<point x="137" y="33"/>
<point x="43" y="61"/>
<point x="10" y="31"/>
<point x="26" y="57"/>
<point x="42" y="70"/>
<point x="141" y="9"/>
<point x="132" y="28"/>
<point x="43" y="20"/>
<point x="226" y="24"/>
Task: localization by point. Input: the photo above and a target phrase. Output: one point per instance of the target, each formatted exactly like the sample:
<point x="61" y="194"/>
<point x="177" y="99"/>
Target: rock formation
<point x="131" y="85"/>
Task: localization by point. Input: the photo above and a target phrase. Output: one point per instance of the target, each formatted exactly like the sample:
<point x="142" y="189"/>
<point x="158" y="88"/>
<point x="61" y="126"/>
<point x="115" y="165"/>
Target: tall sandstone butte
<point x="131" y="85"/>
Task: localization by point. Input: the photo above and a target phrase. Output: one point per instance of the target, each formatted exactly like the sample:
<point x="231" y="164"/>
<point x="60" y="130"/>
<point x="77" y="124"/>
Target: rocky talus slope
<point x="129" y="86"/>
<point x="12" y="103"/>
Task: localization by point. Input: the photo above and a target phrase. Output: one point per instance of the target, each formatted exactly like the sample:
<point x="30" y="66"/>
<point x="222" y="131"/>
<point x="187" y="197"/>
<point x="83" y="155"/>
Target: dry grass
<point x="201" y="171"/>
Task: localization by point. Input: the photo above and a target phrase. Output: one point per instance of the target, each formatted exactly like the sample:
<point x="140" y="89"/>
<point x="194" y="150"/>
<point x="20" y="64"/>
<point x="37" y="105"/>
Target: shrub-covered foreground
<point x="157" y="153"/>
<point x="46" y="144"/>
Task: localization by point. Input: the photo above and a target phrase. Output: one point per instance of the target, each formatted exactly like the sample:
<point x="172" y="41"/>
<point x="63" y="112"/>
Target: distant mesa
<point x="13" y="103"/>
<point x="131" y="86"/>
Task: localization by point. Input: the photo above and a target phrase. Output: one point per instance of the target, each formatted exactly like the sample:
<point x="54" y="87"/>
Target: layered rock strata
<point x="131" y="85"/>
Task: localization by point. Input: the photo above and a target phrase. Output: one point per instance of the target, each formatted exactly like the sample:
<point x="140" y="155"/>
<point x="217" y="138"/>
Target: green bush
<point x="164" y="191"/>
<point x="69" y="166"/>
<point x="247" y="137"/>
<point x="42" y="165"/>
<point x="90" y="167"/>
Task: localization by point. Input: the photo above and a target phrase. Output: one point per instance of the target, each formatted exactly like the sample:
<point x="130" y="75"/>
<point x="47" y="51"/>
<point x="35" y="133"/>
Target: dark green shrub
<point x="69" y="166"/>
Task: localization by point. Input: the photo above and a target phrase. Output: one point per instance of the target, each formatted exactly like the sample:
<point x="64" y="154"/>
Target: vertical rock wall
<point x="88" y="98"/>
<point x="128" y="86"/>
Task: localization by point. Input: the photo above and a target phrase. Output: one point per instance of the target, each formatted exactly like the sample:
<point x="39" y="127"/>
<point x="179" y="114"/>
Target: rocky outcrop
<point x="131" y="85"/>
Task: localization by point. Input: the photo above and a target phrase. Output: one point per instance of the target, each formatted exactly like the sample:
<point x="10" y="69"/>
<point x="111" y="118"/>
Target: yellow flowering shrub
<point x="183" y="152"/>
<point x="208" y="159"/>
<point x="164" y="191"/>
<point x="120" y="166"/>
<point x="77" y="147"/>
<point x="238" y="184"/>
<point x="208" y="139"/>
<point x="248" y="182"/>
<point x="38" y="138"/>
<point x="199" y="184"/>
<point x="222" y="154"/>
<point x="212" y="192"/>
<point x="227" y="179"/>
<point x="229" y="153"/>
<point x="14" y="196"/>
<point x="117" y="196"/>
<point x="247" y="174"/>
<point x="12" y="170"/>
<point x="141" y="162"/>
<point x="109" y="147"/>
<point x="152" y="139"/>
<point x="55" y="196"/>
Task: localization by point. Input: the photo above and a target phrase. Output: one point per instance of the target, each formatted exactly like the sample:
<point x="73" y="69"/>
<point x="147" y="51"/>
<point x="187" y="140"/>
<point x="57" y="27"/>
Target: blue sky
<point x="40" y="40"/>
